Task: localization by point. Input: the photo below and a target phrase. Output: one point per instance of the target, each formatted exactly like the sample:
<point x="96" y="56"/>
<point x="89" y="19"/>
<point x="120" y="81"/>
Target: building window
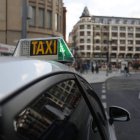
<point x="81" y="47"/>
<point x="88" y="54"/>
<point x="114" y="28"/>
<point x="130" y="48"/>
<point x="97" y="34"/>
<point x="122" y="41"/>
<point x="130" y="28"/>
<point x="113" y="21"/>
<point x="137" y="29"/>
<point x="81" y="40"/>
<point x="136" y="22"/>
<point x="42" y="1"/>
<point x="114" y="34"/>
<point x="105" y="48"/>
<point x="122" y="48"/>
<point x="105" y="41"/>
<point x="97" y="48"/>
<point x="97" y="41"/>
<point x="82" y="33"/>
<point x="56" y="22"/>
<point x="129" y="21"/>
<point x="57" y="2"/>
<point x="122" y="28"/>
<point x="82" y="54"/>
<point x="41" y="17"/>
<point x="88" y="33"/>
<point x="130" y="35"/>
<point x="49" y="19"/>
<point x="88" y="47"/>
<point x="88" y="26"/>
<point x="105" y="21"/>
<point x="137" y="42"/>
<point x="60" y="23"/>
<point x="122" y="34"/>
<point x="117" y="21"/>
<point x="121" y="21"/>
<point x="88" y="41"/>
<point x="97" y="20"/>
<point x="130" y="42"/>
<point x="137" y="48"/>
<point x="137" y="35"/>
<point x="33" y="19"/>
<point x="81" y="26"/>
<point x="114" y="48"/>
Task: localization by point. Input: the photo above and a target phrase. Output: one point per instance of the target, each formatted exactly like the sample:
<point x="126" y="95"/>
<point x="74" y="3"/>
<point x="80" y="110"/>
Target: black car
<point x="44" y="100"/>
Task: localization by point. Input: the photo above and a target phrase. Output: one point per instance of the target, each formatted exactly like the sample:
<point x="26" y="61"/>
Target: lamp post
<point x="24" y="19"/>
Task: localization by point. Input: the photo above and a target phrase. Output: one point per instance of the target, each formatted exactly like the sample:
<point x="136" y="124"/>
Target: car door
<point x="51" y="108"/>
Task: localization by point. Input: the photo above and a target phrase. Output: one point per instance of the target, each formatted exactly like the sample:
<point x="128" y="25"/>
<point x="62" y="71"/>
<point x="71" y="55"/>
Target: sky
<point x="117" y="8"/>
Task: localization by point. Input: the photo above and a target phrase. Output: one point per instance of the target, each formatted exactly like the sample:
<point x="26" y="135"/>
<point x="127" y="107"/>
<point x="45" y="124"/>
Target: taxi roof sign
<point x="52" y="48"/>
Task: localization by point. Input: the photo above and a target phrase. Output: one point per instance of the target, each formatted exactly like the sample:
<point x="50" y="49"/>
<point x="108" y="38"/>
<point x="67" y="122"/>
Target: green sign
<point x="64" y="53"/>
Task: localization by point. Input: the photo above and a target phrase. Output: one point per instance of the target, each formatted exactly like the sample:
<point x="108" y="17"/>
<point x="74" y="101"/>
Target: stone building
<point x="104" y="38"/>
<point x="31" y="18"/>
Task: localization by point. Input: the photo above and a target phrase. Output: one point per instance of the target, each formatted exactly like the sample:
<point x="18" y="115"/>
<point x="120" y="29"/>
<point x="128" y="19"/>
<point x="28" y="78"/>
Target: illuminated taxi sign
<point x="43" y="47"/>
<point x="52" y="48"/>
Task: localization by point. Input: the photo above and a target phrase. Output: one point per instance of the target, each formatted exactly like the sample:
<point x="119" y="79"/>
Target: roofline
<point x="114" y="17"/>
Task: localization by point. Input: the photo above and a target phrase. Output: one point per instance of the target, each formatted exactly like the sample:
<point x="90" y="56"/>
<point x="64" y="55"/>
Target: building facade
<point x="31" y="18"/>
<point x="103" y="38"/>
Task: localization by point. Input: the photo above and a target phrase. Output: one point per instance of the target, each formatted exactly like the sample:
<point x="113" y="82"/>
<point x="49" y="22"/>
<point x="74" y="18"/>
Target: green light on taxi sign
<point x="64" y="54"/>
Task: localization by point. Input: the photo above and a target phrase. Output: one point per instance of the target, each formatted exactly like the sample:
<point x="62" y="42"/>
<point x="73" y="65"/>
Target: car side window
<point x="97" y="107"/>
<point x="59" y="113"/>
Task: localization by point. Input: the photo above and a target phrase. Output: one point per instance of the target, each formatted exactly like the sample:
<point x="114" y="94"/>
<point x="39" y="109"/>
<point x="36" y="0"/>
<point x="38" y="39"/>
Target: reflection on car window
<point x="97" y="107"/>
<point x="59" y="113"/>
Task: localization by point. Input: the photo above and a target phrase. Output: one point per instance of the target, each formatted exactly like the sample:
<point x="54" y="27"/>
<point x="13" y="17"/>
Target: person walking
<point x="97" y="68"/>
<point x="92" y="68"/>
<point x="126" y="71"/>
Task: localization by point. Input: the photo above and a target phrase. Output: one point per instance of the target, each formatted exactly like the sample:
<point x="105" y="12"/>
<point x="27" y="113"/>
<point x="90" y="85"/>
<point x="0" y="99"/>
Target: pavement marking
<point x="103" y="96"/>
<point x="103" y="86"/>
<point x="139" y="96"/>
<point x="103" y="91"/>
<point x="104" y="104"/>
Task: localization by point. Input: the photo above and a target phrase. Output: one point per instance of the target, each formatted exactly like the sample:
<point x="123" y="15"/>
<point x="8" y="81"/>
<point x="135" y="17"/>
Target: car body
<point x="44" y="100"/>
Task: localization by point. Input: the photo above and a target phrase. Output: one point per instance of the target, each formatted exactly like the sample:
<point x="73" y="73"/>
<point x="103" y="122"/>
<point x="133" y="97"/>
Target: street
<point x="125" y="92"/>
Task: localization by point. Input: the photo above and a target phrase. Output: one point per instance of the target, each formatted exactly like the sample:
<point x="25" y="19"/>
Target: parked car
<point x="44" y="100"/>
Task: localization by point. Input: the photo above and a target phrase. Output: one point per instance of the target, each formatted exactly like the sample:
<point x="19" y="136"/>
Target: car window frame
<point x="93" y="113"/>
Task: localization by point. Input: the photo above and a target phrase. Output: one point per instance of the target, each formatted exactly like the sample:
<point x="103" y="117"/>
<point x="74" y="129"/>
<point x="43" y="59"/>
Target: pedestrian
<point x="126" y="71"/>
<point x="96" y="68"/>
<point x="92" y="68"/>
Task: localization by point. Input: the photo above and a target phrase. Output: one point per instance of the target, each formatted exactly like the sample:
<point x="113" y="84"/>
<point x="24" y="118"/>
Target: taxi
<point x="44" y="100"/>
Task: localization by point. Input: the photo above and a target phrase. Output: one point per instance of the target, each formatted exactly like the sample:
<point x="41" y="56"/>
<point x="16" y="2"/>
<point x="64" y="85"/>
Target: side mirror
<point x="118" y="114"/>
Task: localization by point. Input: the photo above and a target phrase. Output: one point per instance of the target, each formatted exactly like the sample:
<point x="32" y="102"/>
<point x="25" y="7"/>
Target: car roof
<point x="16" y="72"/>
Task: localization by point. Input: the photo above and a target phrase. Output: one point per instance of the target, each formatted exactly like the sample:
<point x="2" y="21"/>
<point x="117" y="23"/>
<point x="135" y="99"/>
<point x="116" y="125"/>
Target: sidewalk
<point x="100" y="77"/>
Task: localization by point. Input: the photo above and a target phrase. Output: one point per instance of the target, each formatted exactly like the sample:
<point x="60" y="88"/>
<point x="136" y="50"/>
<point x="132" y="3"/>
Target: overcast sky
<point x="119" y="8"/>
